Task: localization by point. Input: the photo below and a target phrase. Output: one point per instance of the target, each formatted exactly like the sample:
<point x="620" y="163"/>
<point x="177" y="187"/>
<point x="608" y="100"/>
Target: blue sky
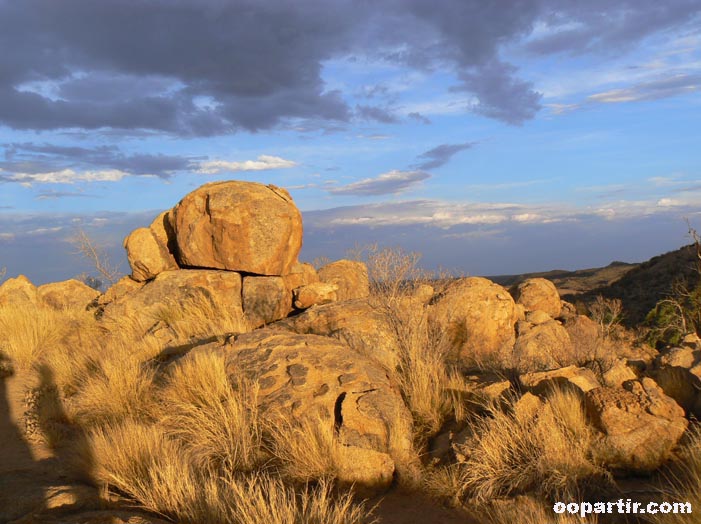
<point x="493" y="137"/>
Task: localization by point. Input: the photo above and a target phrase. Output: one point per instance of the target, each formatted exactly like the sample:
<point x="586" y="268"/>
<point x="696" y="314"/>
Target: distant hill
<point x="639" y="286"/>
<point x="573" y="282"/>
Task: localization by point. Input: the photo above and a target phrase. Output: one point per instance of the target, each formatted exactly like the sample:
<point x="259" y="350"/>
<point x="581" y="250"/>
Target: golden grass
<point x="28" y="332"/>
<point x="548" y="453"/>
<point x="306" y="449"/>
<point x="199" y="316"/>
<point x="684" y="483"/>
<point x="142" y="462"/>
<point x="217" y="422"/>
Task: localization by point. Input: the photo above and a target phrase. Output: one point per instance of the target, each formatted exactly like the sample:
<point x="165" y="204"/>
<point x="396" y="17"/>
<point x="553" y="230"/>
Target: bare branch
<point x="87" y="247"/>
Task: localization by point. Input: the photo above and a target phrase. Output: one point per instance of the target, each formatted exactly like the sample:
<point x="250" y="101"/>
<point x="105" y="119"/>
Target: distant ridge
<point x="639" y="286"/>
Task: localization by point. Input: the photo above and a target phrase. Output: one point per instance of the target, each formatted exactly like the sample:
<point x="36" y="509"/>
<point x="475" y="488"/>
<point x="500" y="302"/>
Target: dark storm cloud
<point x="40" y="158"/>
<point x="205" y="67"/>
<point x="610" y="27"/>
<point x="440" y="155"/>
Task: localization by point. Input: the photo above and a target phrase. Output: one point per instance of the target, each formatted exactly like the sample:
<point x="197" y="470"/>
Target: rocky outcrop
<point x="173" y="291"/>
<point x="350" y="276"/>
<point x="354" y="322"/>
<point x="478" y="318"/>
<point x="238" y="226"/>
<point x="538" y="293"/>
<point x="315" y="294"/>
<point x="640" y="424"/>
<point x="69" y="294"/>
<point x="678" y="373"/>
<point x="18" y="290"/>
<point x="570" y="377"/>
<point x="541" y="346"/>
<point x="311" y="376"/>
<point x="265" y="300"/>
<point x="147" y="255"/>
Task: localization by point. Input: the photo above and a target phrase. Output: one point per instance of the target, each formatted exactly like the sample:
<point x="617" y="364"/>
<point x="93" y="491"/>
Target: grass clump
<point x="549" y="452"/>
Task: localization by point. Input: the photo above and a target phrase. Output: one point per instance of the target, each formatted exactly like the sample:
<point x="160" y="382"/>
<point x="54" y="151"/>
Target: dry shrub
<point x="215" y="421"/>
<point x="548" y="453"/>
<point x="427" y="379"/>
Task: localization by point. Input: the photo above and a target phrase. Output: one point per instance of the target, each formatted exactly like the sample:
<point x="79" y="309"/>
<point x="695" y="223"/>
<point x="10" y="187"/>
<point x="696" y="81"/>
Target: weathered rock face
<point x="543" y="346"/>
<point x="318" y="293"/>
<point x="18" y="291"/>
<point x="478" y="316"/>
<point x="239" y="226"/>
<point x="679" y="376"/>
<point x="353" y="322"/>
<point x="149" y="249"/>
<point x="69" y="294"/>
<point x="571" y="377"/>
<point x="539" y="293"/>
<point x="350" y="276"/>
<point x="618" y="373"/>
<point x="641" y="425"/>
<point x="306" y="376"/>
<point x="175" y="289"/>
<point x="265" y="300"/>
<point x="116" y="291"/>
<point x="300" y="274"/>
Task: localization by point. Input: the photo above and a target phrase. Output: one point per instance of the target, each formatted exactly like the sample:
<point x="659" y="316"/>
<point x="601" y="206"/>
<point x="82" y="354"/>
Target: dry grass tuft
<point x="548" y="453"/>
<point x="217" y="422"/>
<point x="28" y="332"/>
<point x="200" y="316"/>
<point x="525" y="510"/>
<point x="144" y="463"/>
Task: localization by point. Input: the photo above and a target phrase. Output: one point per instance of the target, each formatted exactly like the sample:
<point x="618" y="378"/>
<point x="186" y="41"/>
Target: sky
<point x="493" y="137"/>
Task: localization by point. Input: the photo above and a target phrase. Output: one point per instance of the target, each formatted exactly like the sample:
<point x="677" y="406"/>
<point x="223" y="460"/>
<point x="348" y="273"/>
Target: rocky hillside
<point x="573" y="282"/>
<point x="639" y="286"/>
<point x="644" y="285"/>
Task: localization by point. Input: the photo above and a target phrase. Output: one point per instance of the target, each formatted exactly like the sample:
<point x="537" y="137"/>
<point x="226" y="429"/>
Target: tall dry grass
<point x="199" y="315"/>
<point x="429" y="382"/>
<point x="29" y="331"/>
<point x="217" y="422"/>
<point x="183" y="440"/>
<point x="550" y="452"/>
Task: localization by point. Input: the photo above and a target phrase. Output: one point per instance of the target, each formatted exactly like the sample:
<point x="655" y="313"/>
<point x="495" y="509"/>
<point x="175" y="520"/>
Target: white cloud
<point x="7" y="236"/>
<point x="393" y="182"/>
<point x="263" y="162"/>
<point x="66" y="176"/>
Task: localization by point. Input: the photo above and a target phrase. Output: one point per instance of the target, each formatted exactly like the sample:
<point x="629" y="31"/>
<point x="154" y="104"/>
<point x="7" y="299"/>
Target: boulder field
<point x="316" y="342"/>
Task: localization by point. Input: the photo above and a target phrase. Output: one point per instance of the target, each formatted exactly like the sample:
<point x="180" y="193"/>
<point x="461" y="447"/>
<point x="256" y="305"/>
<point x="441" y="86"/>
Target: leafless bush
<point x="607" y="313"/>
<point x="88" y="248"/>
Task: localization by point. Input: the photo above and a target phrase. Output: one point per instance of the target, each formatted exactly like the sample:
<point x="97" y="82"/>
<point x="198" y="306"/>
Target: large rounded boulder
<point x="304" y="376"/>
<point x="238" y="226"/>
<point x="478" y="317"/>
<point x="538" y="294"/>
